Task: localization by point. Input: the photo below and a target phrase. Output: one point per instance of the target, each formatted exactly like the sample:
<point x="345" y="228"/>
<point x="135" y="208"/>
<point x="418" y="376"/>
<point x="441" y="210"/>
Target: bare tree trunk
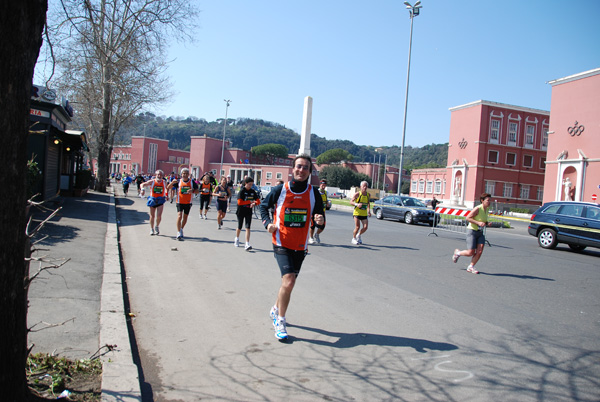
<point x="21" y="26"/>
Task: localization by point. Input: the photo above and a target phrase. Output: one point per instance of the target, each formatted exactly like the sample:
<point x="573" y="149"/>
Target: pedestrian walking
<point x="247" y="199"/>
<point x="296" y="203"/>
<point x="478" y="220"/>
<point x="362" y="211"/>
<point x="183" y="190"/>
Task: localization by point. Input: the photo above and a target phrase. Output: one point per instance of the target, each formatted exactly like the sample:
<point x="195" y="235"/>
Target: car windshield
<point x="412" y="202"/>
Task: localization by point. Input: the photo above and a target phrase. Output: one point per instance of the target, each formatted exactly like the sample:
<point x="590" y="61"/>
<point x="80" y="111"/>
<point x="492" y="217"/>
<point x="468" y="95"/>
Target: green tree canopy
<point x="334" y="156"/>
<point x="338" y="176"/>
<point x="270" y="151"/>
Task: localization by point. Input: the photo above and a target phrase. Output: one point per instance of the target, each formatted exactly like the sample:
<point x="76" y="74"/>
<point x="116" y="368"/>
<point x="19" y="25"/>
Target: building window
<point x="124" y="167"/>
<point x="507" y="191"/>
<point x="494" y="131"/>
<point x="421" y="186"/>
<point x="529" y="136"/>
<point x="527" y="161"/>
<point x="545" y="138"/>
<point x="543" y="163"/>
<point x="438" y="187"/>
<point x="492" y="156"/>
<point x="413" y="186"/>
<point x="490" y="186"/>
<point x="524" y="192"/>
<point x="287" y="161"/>
<point x="278" y="175"/>
<point x="512" y="133"/>
<point x="172" y="158"/>
<point x="511" y="159"/>
<point x="540" y="193"/>
<point x="429" y="187"/>
<point x="269" y="175"/>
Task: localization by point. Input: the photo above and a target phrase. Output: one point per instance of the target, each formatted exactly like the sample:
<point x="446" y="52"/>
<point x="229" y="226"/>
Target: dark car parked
<point x="567" y="222"/>
<point x="408" y="209"/>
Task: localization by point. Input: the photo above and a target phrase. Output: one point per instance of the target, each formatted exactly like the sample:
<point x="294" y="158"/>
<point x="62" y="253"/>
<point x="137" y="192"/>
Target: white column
<point x="306" y="123"/>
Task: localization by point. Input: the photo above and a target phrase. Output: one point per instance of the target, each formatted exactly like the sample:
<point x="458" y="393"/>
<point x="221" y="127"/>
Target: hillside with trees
<point x="247" y="133"/>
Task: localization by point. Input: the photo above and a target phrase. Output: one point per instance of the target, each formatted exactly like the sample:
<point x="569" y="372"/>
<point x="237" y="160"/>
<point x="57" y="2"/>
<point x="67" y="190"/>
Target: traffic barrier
<point x="450" y="219"/>
<point x="453" y="220"/>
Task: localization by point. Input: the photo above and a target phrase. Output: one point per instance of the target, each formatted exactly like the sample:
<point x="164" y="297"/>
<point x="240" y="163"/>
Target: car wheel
<point x="577" y="247"/>
<point x="547" y="238"/>
<point x="408" y="218"/>
<point x="379" y="214"/>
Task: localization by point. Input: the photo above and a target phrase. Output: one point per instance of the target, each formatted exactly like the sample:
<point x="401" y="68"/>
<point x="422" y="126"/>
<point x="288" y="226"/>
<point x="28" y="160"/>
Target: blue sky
<point x="351" y="57"/>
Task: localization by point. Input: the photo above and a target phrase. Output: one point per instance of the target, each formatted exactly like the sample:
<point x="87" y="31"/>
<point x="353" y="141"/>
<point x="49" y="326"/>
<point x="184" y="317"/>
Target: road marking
<point x="439" y="368"/>
<point x="468" y="373"/>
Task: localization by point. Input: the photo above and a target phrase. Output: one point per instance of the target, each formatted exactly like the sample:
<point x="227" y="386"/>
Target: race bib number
<point x="205" y="191"/>
<point x="185" y="190"/>
<point x="157" y="190"/>
<point x="295" y="217"/>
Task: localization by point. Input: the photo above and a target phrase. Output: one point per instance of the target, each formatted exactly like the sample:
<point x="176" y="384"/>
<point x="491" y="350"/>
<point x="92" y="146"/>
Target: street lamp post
<point x="413" y="11"/>
<point x="227" y="101"/>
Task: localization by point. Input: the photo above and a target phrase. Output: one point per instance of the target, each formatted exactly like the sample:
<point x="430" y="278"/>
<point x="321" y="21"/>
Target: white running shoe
<point x="274" y="313"/>
<point x="359" y="239"/>
<point x="152" y="232"/>
<point x="455" y="256"/>
<point x="236" y="242"/>
<point x="311" y="240"/>
<point x="280" y="330"/>
<point x="157" y="230"/>
<point x="248" y="247"/>
<point x="317" y="239"/>
<point x="354" y="241"/>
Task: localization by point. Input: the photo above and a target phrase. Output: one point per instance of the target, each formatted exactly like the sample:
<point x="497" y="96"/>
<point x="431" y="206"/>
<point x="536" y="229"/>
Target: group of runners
<point x="293" y="212"/>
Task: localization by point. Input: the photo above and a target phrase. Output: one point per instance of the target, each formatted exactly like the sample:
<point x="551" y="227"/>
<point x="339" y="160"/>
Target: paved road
<point x="393" y="319"/>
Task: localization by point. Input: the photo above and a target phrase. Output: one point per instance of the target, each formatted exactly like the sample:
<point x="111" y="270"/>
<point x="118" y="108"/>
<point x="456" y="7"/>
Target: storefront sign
<point x="39" y="113"/>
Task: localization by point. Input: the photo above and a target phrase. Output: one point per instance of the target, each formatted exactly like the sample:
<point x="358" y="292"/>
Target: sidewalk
<point x="85" y="295"/>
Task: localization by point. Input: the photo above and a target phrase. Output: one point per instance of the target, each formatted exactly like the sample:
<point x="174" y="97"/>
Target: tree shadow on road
<point x="351" y="340"/>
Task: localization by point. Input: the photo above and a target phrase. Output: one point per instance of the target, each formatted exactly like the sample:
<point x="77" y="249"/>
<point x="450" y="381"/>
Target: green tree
<point x="112" y="59"/>
<point x="338" y="176"/>
<point x="270" y="151"/>
<point x="334" y="156"/>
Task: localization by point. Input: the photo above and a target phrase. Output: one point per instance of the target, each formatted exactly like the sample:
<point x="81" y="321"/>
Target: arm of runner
<point x="317" y="213"/>
<point x="268" y="203"/>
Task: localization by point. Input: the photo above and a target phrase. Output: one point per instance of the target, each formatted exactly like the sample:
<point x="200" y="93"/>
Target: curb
<point x="120" y="377"/>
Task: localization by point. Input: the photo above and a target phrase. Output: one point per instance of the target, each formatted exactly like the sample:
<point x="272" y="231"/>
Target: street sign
<point x="594" y="197"/>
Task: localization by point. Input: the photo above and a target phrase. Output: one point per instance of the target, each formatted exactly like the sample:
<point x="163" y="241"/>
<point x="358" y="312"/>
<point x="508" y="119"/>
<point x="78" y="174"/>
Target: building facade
<point x="573" y="165"/>
<point x="493" y="148"/>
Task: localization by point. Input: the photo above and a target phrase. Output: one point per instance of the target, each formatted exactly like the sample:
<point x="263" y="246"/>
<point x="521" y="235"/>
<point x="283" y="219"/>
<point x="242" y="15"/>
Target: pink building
<point x="146" y="155"/>
<point x="573" y="165"/>
<point x="494" y="148"/>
